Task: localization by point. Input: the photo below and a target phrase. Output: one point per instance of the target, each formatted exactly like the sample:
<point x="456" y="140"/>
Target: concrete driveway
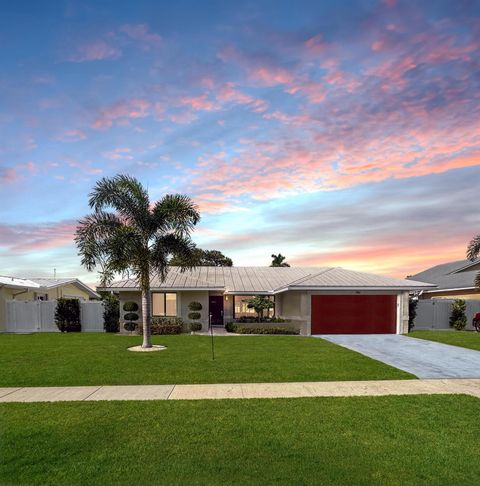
<point x="425" y="359"/>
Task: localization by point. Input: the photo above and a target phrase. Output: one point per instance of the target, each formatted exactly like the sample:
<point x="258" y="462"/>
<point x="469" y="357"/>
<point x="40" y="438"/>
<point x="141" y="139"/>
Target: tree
<point x="259" y="304"/>
<point x="205" y="258"/>
<point x="473" y="252"/>
<point x="458" y="318"/>
<point x="279" y="261"/>
<point x="136" y="237"/>
<point x="412" y="311"/>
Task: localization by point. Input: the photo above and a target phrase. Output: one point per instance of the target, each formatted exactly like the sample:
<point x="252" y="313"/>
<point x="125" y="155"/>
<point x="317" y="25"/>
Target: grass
<point x="465" y="339"/>
<point x="102" y="359"/>
<point x="415" y="440"/>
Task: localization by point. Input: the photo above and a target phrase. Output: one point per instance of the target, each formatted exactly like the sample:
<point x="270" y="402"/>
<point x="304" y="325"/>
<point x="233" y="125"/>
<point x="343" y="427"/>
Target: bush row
<point x="239" y="329"/>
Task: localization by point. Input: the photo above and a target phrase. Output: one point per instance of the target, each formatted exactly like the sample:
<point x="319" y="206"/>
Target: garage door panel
<point x="354" y="314"/>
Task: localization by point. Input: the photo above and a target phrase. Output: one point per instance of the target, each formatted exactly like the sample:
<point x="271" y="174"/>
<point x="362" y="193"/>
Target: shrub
<point x="230" y="327"/>
<point x="412" y="311"/>
<point x="458" y="318"/>
<point x="67" y="315"/>
<point x="130" y="306"/>
<point x="265" y="330"/>
<point x="165" y="325"/>
<point x="194" y="316"/>
<point x="130" y="326"/>
<point x="195" y="306"/>
<point x="195" y="326"/>
<point x="131" y="316"/>
<point x="111" y="313"/>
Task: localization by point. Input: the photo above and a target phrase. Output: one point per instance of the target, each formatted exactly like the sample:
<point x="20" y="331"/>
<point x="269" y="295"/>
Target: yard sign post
<point x="211" y="334"/>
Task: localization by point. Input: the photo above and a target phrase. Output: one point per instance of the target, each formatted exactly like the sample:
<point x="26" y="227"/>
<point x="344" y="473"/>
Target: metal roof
<point x="269" y="280"/>
<point x="17" y="283"/>
<point x="51" y="283"/>
<point x="451" y="275"/>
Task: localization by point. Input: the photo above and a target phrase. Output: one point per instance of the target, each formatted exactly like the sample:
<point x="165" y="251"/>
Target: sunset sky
<point x="337" y="133"/>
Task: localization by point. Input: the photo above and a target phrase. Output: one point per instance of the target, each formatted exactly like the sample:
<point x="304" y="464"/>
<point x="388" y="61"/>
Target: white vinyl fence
<point x="39" y="316"/>
<point x="435" y="313"/>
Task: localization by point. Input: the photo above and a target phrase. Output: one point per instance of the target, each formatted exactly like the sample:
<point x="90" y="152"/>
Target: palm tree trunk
<point x="146" y="318"/>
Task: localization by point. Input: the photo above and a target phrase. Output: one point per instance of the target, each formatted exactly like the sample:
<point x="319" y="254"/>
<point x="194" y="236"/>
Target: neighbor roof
<point x="51" y="283"/>
<point x="451" y="275"/>
<point x="17" y="283"/>
<point x="269" y="280"/>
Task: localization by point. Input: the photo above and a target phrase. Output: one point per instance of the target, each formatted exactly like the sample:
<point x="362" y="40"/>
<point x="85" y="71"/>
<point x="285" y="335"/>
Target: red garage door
<point x="354" y="314"/>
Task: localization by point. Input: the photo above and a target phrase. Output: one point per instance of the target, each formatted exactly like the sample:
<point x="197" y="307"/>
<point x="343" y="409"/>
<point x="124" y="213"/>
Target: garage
<point x="354" y="314"/>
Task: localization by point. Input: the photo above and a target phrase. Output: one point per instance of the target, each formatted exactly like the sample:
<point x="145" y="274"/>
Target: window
<point x="164" y="304"/>
<point x="240" y="308"/>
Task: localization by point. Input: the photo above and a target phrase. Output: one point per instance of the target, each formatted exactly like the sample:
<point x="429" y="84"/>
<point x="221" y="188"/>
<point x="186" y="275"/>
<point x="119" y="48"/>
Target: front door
<point x="216" y="309"/>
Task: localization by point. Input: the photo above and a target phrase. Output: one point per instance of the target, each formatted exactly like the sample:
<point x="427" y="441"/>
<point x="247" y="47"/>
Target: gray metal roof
<point x="51" y="283"/>
<point x="17" y="283"/>
<point x="269" y="279"/>
<point x="451" y="275"/>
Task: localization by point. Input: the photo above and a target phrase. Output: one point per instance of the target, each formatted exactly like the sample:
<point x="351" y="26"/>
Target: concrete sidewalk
<point x="241" y="390"/>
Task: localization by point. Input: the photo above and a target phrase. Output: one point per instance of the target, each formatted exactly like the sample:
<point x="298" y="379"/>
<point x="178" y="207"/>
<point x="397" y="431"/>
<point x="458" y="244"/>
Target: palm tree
<point x="279" y="261"/>
<point x="473" y="252"/>
<point x="138" y="237"/>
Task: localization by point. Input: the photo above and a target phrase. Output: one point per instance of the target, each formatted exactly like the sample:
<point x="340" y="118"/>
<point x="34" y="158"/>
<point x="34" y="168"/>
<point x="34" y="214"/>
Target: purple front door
<point x="216" y="309"/>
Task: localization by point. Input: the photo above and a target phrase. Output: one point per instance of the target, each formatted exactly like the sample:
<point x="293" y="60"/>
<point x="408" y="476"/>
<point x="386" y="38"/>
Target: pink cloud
<point x="199" y="103"/>
<point x="24" y="238"/>
<point x="16" y="173"/>
<point x="121" y="111"/>
<point x="118" y="154"/>
<point x="74" y="135"/>
<point x="270" y="76"/>
<point x="94" y="51"/>
<point x="141" y="33"/>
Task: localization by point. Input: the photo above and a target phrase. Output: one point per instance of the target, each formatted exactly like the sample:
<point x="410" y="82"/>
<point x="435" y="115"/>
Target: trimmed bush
<point x="194" y="316"/>
<point x="67" y="315"/>
<point x="111" y="313"/>
<point x="130" y="306"/>
<point x="230" y="327"/>
<point x="195" y="306"/>
<point x="130" y="326"/>
<point x="195" y="326"/>
<point x="458" y="318"/>
<point x="131" y="316"/>
<point x="265" y="330"/>
<point x="165" y="325"/>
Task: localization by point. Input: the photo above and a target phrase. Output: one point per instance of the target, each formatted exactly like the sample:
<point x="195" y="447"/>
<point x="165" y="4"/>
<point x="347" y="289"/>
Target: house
<point x="45" y="289"/>
<point x="453" y="280"/>
<point x="313" y="300"/>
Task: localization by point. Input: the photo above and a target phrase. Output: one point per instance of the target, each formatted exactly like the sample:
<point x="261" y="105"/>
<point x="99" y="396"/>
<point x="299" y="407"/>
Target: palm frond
<point x="124" y="194"/>
<point x="176" y="213"/>
<point x="473" y="249"/>
<point x="171" y="244"/>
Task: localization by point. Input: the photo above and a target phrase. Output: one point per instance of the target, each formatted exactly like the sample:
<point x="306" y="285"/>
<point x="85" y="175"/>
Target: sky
<point x="343" y="133"/>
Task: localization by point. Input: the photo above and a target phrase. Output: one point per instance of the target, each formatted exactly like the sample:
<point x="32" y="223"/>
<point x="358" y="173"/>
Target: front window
<point x="240" y="309"/>
<point x="164" y="304"/>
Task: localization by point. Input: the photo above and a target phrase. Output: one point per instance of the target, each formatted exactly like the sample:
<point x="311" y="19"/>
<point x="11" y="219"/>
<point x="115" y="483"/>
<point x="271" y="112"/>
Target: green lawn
<point x="416" y="440"/>
<point x="465" y="339"/>
<point x="103" y="359"/>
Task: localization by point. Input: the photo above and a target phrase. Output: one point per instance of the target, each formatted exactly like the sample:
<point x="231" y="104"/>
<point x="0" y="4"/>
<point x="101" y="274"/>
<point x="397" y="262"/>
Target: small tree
<point x="458" y="318"/>
<point x="412" y="311"/>
<point x="259" y="304"/>
<point x="111" y="312"/>
<point x="67" y="315"/>
<point x="279" y="261"/>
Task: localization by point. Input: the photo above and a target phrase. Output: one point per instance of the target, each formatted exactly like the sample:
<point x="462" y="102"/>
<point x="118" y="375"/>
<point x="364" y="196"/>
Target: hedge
<point x="130" y="306"/>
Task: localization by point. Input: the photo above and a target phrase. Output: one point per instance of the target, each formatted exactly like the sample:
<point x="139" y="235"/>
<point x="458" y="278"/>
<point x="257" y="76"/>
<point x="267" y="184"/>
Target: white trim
<point x="452" y="290"/>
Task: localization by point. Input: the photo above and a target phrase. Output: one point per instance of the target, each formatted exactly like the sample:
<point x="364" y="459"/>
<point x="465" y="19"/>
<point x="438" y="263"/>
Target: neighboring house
<point x="31" y="289"/>
<point x="314" y="300"/>
<point x="454" y="280"/>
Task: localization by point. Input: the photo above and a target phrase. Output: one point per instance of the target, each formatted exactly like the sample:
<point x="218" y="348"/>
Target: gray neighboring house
<point x="453" y="280"/>
<point x="329" y="300"/>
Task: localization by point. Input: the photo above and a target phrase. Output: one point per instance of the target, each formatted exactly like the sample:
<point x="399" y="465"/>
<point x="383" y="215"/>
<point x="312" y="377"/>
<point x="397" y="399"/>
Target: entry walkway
<point x="241" y="390"/>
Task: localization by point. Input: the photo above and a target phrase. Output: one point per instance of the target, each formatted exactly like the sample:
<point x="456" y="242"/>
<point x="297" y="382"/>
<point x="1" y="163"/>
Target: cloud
<point x="142" y="34"/>
<point x="18" y="239"/>
<point x="16" y="173"/>
<point x="97" y="50"/>
<point x="121" y="111"/>
<point x="118" y="154"/>
<point x="74" y="135"/>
